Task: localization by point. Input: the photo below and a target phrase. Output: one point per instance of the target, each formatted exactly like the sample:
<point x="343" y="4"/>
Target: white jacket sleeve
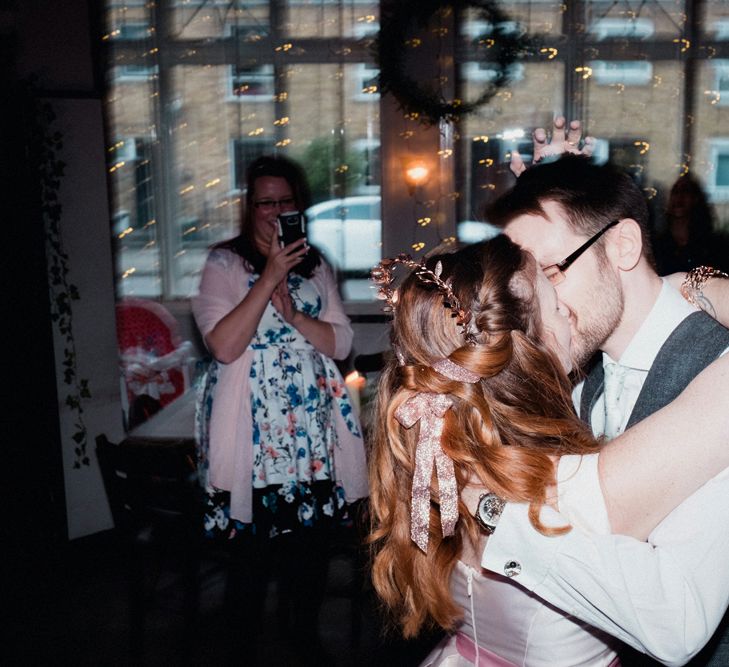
<point x="664" y="597"/>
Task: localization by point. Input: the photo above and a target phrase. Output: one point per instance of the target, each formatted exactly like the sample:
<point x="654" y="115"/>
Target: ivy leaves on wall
<point x="44" y="144"/>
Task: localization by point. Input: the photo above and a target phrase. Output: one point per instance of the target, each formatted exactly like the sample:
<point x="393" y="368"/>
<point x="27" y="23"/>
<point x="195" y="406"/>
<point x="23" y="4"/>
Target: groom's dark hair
<point x="591" y="195"/>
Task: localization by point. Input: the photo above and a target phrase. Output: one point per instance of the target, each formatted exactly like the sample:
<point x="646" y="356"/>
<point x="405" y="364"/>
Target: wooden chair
<point x="156" y="504"/>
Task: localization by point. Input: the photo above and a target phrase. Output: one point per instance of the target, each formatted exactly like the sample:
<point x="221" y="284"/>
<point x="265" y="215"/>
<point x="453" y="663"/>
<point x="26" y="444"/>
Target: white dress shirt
<point x="511" y="625"/>
<point x="667" y="313"/>
<point x="665" y="596"/>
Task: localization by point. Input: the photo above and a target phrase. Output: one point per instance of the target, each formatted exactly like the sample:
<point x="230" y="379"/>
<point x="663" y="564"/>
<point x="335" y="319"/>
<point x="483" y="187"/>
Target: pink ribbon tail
<point x="430" y="409"/>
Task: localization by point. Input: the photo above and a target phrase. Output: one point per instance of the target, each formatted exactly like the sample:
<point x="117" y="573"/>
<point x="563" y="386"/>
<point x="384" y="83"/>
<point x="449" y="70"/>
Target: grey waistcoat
<point x="692" y="346"/>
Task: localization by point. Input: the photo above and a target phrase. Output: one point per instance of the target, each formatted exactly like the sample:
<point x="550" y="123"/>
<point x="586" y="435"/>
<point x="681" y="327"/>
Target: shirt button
<point x="512" y="568"/>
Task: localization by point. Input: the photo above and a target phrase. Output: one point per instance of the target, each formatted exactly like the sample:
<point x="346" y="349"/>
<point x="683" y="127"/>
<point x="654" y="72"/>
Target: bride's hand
<point x="564" y="139"/>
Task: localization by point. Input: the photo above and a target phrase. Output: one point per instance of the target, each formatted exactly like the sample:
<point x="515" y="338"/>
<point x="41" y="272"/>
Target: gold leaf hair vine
<point x="383" y="276"/>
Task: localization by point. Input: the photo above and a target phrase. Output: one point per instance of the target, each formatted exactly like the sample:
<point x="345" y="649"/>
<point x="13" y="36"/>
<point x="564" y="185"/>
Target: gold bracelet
<point x="693" y="284"/>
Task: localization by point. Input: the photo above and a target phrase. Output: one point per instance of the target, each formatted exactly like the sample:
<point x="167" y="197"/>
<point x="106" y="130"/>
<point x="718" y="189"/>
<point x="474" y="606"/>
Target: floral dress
<point x="295" y="395"/>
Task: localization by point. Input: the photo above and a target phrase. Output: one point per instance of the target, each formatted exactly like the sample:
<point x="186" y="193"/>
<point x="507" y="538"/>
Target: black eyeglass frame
<point x="565" y="264"/>
<point x="273" y="203"/>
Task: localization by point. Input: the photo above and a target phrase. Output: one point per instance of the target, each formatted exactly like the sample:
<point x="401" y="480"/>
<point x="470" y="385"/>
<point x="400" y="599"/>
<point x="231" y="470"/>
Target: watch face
<point x="488" y="511"/>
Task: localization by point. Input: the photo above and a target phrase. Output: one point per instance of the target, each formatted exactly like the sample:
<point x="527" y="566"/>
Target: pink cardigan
<point x="223" y="285"/>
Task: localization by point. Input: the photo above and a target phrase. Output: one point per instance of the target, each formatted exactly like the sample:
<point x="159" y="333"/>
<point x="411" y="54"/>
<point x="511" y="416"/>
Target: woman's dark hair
<point x="243" y="245"/>
<point x="701" y="213"/>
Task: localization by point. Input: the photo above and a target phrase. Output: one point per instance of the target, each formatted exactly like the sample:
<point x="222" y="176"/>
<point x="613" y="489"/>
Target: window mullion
<point x="691" y="32"/>
<point x="574" y="104"/>
<point x="164" y="181"/>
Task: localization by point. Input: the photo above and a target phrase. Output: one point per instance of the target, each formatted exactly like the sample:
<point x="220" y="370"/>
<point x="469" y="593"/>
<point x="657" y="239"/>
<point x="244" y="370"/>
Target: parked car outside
<point x="473" y="231"/>
<point x="348" y="232"/>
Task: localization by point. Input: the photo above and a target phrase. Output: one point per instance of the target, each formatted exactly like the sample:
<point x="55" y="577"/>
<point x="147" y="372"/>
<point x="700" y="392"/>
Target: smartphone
<point x="291" y="227"/>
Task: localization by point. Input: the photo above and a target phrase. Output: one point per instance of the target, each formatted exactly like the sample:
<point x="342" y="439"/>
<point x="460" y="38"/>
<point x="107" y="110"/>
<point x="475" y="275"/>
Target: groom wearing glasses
<point x="588" y="228"/>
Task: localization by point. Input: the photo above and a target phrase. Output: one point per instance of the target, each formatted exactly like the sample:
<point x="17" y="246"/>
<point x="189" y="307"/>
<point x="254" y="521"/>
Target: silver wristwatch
<point x="488" y="512"/>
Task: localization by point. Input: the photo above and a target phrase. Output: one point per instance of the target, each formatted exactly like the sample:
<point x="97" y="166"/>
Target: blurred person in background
<point x="690" y="238"/>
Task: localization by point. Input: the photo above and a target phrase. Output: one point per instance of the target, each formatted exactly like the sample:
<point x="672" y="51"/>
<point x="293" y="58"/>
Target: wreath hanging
<point x="414" y="96"/>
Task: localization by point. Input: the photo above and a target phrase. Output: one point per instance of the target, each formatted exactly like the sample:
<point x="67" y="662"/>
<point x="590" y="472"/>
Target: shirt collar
<point x="669" y="310"/>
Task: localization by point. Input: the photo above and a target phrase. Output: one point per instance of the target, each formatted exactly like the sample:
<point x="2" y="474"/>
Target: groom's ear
<point x="627" y="244"/>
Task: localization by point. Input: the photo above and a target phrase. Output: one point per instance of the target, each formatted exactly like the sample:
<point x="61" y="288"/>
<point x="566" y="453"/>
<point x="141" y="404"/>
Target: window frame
<point x="605" y="74"/>
<point x="718" y="146"/>
<point x="267" y="77"/>
<point x="658" y="47"/>
<point x="170" y="51"/>
<point x="721" y="74"/>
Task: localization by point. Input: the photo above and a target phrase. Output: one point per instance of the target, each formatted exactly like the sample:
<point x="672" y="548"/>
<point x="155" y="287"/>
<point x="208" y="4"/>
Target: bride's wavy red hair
<point x="501" y="430"/>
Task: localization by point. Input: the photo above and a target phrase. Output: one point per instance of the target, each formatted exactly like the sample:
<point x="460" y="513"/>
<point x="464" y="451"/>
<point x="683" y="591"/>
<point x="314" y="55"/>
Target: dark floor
<point x="75" y="611"/>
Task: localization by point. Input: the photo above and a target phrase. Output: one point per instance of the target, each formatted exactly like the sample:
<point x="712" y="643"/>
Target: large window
<point x="650" y="80"/>
<point x="200" y="88"/>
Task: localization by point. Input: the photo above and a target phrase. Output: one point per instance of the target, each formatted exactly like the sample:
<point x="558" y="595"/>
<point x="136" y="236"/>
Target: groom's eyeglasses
<point x="555" y="272"/>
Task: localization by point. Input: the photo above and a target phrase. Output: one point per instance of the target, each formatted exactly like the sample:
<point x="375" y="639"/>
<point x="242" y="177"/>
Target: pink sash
<point x="466" y="648"/>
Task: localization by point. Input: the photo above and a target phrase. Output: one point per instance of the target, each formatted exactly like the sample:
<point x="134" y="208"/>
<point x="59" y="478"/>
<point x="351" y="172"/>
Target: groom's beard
<point x="595" y="324"/>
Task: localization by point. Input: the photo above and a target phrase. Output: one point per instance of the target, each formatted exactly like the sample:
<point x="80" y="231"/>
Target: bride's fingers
<point x="588" y="146"/>
<point x="516" y="164"/>
<point x="574" y="135"/>
<point x="539" y="141"/>
<point x="558" y="131"/>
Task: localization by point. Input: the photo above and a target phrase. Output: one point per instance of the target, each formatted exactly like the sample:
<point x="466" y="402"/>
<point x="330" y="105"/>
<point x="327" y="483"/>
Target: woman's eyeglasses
<point x="555" y="272"/>
<point x="270" y="204"/>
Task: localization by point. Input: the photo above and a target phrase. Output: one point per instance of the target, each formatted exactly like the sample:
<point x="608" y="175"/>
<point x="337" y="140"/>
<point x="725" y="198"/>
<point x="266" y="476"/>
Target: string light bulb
<point x="417" y="173"/>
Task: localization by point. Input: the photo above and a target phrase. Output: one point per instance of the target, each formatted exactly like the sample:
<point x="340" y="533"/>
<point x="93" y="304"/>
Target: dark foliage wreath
<point x="398" y="24"/>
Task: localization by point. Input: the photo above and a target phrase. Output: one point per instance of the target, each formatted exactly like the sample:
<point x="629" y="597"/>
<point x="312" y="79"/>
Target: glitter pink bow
<point x="430" y="409"/>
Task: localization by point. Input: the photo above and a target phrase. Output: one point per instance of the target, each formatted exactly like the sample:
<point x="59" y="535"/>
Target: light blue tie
<point x="614" y="380"/>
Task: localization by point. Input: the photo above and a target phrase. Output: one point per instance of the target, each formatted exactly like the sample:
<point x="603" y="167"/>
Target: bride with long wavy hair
<point x="476" y="398"/>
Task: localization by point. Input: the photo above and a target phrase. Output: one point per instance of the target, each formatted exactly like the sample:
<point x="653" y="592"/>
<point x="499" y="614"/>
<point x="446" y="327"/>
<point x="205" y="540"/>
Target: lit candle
<point x="355" y="383"/>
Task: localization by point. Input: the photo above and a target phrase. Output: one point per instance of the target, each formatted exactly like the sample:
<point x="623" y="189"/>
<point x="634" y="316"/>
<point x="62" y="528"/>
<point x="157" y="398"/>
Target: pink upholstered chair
<point x="153" y="357"/>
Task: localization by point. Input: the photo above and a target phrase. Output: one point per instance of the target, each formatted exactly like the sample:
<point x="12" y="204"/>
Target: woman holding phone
<point x="280" y="448"/>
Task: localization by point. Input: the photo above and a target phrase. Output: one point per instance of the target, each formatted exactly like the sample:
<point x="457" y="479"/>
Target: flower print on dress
<point x="217" y="523"/>
<point x="306" y="514"/>
<point x="309" y="307"/>
<point x="270" y="500"/>
<point x="295" y="399"/>
<point x="344" y="402"/>
<point x="215" y="518"/>
<point x="311" y="394"/>
<point x="295" y="394"/>
<point x="311" y="310"/>
<point x="278" y="336"/>
<point x="328" y="508"/>
<point x="297" y="431"/>
<point x="290" y="368"/>
<point x="288" y="491"/>
<point x="276" y="510"/>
